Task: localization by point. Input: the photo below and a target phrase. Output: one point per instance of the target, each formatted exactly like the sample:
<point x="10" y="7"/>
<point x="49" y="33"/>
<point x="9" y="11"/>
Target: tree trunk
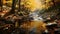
<point x="13" y="6"/>
<point x="1" y="5"/>
<point x="12" y="11"/>
<point x="19" y="5"/>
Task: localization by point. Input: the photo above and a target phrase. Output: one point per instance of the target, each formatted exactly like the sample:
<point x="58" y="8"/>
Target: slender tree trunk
<point x="1" y="5"/>
<point x="12" y="11"/>
<point x="19" y="5"/>
<point x="0" y="2"/>
<point x="13" y="6"/>
<point x="19" y="1"/>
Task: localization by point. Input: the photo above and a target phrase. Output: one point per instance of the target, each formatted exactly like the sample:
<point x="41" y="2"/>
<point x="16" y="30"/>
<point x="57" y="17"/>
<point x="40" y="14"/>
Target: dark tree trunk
<point x="20" y="8"/>
<point x="12" y="11"/>
<point x="1" y="5"/>
<point x="0" y="2"/>
<point x="13" y="6"/>
<point x="19" y="5"/>
<point x="19" y="1"/>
